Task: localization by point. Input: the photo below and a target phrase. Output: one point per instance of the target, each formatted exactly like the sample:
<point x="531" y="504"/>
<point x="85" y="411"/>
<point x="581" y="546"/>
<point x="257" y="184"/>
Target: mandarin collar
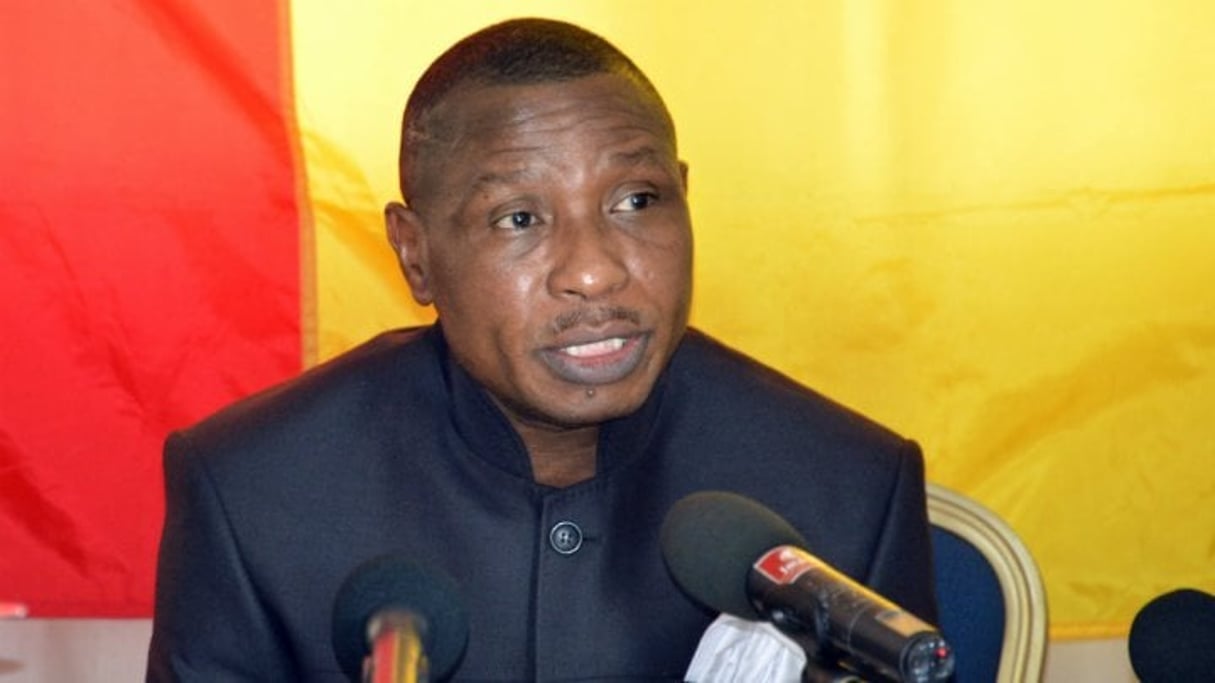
<point x="488" y="433"/>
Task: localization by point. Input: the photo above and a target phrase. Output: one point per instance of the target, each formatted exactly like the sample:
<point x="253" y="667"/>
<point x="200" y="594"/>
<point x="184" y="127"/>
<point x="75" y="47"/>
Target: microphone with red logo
<point x="738" y="557"/>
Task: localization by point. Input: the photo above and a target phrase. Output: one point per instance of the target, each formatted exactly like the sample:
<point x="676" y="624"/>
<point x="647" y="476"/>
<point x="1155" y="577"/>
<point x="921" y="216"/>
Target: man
<point x="532" y="441"/>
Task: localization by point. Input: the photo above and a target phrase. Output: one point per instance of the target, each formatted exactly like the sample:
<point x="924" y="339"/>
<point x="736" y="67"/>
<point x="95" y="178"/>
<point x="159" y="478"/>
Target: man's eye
<point x="636" y="202"/>
<point x="517" y="220"/>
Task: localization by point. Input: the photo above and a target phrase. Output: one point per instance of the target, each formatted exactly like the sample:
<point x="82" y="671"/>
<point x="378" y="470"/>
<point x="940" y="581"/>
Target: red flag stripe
<point x="149" y="268"/>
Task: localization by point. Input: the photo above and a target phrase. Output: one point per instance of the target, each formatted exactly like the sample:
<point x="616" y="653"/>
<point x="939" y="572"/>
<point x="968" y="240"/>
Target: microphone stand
<point x="396" y="649"/>
<point x="823" y="662"/>
<point x="822" y="672"/>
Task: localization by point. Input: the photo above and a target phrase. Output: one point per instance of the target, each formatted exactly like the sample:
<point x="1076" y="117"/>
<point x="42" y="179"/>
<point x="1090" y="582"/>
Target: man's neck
<point x="560" y="458"/>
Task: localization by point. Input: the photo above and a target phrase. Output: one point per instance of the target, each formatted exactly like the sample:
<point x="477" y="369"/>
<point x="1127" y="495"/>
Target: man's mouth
<point x="593" y="349"/>
<point x="601" y="361"/>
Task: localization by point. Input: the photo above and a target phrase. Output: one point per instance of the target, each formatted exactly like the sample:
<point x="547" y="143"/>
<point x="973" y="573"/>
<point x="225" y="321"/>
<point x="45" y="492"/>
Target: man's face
<point x="550" y="229"/>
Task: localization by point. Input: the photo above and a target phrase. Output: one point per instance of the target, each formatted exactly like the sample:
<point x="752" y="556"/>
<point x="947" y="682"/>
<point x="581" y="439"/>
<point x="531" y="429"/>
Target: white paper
<point x="736" y="650"/>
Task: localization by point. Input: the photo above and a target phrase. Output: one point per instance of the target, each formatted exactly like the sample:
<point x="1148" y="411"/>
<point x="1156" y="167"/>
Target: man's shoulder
<point x="831" y="471"/>
<point x="391" y="370"/>
<point x="726" y="384"/>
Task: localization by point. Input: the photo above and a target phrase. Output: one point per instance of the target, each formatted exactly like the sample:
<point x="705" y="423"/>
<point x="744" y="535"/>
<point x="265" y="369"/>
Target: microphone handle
<point x="844" y="621"/>
<point x="396" y="649"/>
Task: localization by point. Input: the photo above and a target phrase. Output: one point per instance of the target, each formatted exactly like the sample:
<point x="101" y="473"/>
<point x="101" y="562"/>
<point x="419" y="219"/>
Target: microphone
<point x="397" y="622"/>
<point x="737" y="556"/>
<point x="1172" y="638"/>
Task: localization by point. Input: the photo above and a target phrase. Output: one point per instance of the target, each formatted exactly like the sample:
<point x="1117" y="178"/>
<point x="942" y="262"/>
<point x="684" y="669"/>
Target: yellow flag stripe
<point x="986" y="224"/>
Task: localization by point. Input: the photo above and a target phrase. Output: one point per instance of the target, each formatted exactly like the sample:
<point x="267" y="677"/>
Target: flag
<point x="986" y="225"/>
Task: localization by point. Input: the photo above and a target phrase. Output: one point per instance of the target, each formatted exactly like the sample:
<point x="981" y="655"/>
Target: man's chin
<point x="595" y="416"/>
<point x="589" y="407"/>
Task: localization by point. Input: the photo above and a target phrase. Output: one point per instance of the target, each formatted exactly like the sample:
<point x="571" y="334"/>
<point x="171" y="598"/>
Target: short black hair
<point x="515" y="52"/>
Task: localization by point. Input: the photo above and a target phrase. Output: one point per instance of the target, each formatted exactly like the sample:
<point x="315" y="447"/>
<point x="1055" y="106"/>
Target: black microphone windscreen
<point x="1173" y="638"/>
<point x="393" y="582"/>
<point x="711" y="539"/>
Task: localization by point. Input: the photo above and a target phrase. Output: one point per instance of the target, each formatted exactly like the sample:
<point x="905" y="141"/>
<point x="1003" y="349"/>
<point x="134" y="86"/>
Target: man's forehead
<point x="478" y="128"/>
<point x="477" y="107"/>
<point x="507" y="171"/>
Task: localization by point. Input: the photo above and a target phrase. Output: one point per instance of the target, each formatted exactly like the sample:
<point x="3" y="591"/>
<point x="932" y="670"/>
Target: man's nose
<point x="588" y="260"/>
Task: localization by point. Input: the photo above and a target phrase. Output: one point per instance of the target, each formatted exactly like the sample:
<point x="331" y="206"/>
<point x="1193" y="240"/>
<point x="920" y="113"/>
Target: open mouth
<point x="595" y="349"/>
<point x="601" y="361"/>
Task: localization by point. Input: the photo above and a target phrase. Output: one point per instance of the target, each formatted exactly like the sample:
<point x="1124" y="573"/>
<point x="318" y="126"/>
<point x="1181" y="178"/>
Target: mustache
<point x="594" y="317"/>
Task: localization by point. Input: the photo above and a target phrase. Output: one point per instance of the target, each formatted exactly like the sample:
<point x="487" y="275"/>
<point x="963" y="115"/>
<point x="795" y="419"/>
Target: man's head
<point x="546" y="220"/>
<point x="517" y="52"/>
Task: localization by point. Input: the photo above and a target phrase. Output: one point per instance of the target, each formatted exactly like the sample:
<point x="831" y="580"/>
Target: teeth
<point x="595" y="348"/>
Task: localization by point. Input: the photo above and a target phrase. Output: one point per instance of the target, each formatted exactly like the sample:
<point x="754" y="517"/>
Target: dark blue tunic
<point x="394" y="448"/>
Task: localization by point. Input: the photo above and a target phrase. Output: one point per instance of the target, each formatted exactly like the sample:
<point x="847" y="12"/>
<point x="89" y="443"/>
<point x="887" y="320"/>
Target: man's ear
<point x="408" y="238"/>
<point x="683" y="175"/>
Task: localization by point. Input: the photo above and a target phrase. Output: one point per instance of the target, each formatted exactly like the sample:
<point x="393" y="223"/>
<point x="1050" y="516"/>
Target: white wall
<point x="1088" y="661"/>
<point x="74" y="650"/>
